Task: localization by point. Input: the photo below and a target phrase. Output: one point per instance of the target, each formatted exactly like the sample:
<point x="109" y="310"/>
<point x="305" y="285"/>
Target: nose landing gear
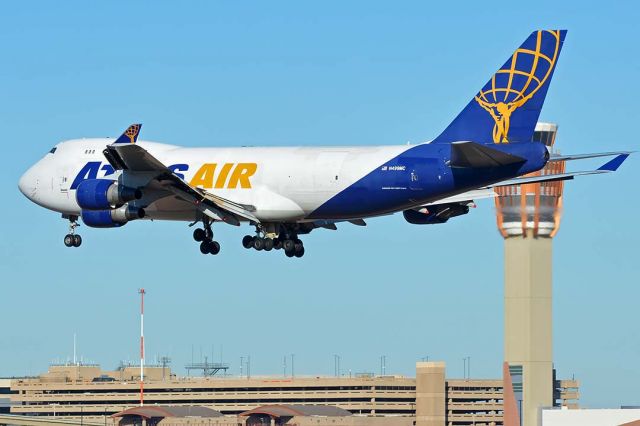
<point x="205" y="237"/>
<point x="72" y="239"/>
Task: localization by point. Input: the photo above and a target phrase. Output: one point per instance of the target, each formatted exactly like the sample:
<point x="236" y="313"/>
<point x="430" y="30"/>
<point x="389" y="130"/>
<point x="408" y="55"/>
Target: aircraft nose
<point x="28" y="184"/>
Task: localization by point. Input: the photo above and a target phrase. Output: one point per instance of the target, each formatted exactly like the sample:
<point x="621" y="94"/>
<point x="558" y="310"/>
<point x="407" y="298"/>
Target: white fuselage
<point x="282" y="183"/>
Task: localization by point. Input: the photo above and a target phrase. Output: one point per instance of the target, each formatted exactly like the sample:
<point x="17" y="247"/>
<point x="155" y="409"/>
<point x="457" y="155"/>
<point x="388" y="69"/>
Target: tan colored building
<point x="87" y="392"/>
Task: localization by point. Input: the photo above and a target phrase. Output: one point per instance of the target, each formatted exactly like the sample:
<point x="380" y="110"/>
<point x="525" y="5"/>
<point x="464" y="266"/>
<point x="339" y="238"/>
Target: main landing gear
<point x="72" y="239"/>
<point x="205" y="237"/>
<point x="290" y="243"/>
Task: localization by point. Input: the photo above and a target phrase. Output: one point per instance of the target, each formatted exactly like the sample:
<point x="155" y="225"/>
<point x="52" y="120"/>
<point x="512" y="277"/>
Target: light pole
<point x="284" y="366"/>
<point x="142" y="293"/>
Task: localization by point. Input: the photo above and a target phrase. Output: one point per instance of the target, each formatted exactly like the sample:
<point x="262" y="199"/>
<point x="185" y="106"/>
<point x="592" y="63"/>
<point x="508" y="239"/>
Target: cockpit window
<point x="52" y="150"/>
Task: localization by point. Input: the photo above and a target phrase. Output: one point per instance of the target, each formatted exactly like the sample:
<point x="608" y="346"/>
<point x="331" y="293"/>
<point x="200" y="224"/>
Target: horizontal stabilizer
<point x="559" y="157"/>
<point x="475" y="194"/>
<point x="473" y="155"/>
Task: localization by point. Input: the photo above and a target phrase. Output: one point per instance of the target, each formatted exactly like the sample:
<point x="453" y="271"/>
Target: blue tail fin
<point x="507" y="108"/>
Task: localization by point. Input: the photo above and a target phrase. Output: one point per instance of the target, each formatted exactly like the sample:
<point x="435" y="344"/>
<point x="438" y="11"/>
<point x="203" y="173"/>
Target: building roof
<point x="149" y="411"/>
<point x="291" y="410"/>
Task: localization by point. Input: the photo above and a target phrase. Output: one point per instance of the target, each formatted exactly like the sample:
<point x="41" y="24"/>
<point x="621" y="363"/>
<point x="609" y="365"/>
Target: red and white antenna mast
<point x="142" y="293"/>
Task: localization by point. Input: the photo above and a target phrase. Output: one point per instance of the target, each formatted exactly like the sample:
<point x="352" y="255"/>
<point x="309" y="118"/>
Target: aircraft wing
<point x="133" y="158"/>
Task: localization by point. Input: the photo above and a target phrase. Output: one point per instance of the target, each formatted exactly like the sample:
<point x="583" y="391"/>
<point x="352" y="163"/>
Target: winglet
<point x="130" y="135"/>
<point x="612" y="165"/>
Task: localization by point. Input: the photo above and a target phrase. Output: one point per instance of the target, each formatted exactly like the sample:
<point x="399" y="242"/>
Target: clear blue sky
<point x="267" y="73"/>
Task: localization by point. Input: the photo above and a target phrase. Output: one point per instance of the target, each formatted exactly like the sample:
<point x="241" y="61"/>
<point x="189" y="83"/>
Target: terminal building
<point x="87" y="392"/>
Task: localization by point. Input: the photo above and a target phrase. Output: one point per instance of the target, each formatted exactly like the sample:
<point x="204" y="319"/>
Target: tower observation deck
<point x="533" y="209"/>
<point x="528" y="217"/>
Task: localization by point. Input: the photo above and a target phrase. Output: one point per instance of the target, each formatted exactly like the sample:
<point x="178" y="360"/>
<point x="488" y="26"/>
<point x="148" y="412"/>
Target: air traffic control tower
<point x="528" y="218"/>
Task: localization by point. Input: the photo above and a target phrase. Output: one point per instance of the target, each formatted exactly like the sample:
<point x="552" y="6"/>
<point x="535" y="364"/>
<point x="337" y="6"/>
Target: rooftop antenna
<point x="165" y="360"/>
<point x="383" y="365"/>
<point x="142" y="293"/>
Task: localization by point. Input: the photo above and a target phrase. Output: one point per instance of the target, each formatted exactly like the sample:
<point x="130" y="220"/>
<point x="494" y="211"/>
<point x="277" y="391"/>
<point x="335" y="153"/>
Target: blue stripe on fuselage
<point x="419" y="175"/>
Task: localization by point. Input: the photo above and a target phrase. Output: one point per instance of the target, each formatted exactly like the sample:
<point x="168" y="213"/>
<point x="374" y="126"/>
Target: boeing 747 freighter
<point x="287" y="192"/>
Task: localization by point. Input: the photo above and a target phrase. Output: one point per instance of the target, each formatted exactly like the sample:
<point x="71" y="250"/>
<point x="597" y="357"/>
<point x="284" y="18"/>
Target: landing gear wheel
<point x="298" y="247"/>
<point x="288" y="245"/>
<point x="69" y="240"/>
<point x="268" y="244"/>
<point x="258" y="243"/>
<point x="204" y="247"/>
<point x="72" y="239"/>
<point x="299" y="253"/>
<point x="214" y="247"/>
<point x="247" y="241"/>
<point x="199" y="234"/>
<point x="289" y="253"/>
<point x="277" y="244"/>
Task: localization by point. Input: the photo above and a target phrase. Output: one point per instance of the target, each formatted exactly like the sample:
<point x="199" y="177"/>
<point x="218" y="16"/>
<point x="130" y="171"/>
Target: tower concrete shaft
<point x="528" y="322"/>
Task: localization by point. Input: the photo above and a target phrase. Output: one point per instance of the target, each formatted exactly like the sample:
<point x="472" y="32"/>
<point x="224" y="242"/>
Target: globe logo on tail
<point x="132" y="132"/>
<point x="518" y="80"/>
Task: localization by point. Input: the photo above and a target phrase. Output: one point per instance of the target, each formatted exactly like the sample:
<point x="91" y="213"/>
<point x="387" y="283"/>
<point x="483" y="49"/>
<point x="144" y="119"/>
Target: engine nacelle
<point x="111" y="218"/>
<point x="432" y="215"/>
<point x="101" y="194"/>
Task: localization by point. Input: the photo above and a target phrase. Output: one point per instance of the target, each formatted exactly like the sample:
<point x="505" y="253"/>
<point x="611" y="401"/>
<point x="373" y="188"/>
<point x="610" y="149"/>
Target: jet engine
<point x="111" y="218"/>
<point x="101" y="194"/>
<point x="439" y="213"/>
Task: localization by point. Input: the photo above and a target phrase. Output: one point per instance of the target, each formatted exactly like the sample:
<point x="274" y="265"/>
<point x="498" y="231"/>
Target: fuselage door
<point x="63" y="178"/>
